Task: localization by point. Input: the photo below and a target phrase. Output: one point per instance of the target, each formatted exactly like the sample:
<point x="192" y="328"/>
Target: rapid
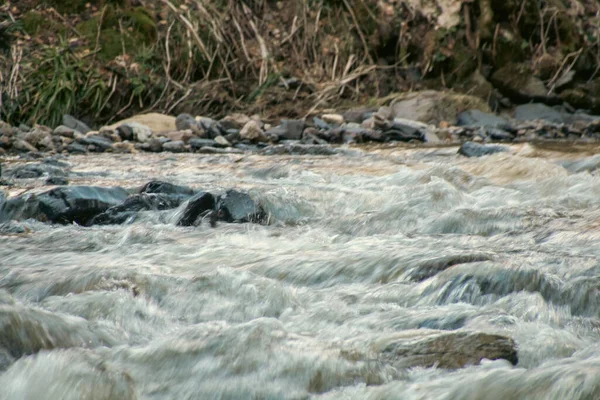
<point x="367" y="254"/>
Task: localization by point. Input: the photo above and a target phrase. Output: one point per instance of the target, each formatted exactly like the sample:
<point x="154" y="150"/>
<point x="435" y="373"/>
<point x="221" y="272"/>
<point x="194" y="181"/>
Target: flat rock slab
<point x="455" y="349"/>
<point x="155" y="121"/>
<point x="471" y="149"/>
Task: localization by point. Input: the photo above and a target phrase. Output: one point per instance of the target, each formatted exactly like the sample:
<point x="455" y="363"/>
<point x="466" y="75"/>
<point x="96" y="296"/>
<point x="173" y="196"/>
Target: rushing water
<point x="155" y="311"/>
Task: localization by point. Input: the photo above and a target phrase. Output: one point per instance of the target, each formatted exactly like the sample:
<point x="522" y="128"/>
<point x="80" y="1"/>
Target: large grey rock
<point x="434" y="107"/>
<point x="197" y="143"/>
<point x="477" y="119"/>
<point x="470" y="149"/>
<point x="176" y="146"/>
<point x="451" y="350"/>
<point x="186" y="121"/>
<point x="288" y="130"/>
<point x="537" y="111"/>
<point x="63" y="205"/>
<point x="74" y="123"/>
<point x="98" y="141"/>
<point x="405" y="129"/>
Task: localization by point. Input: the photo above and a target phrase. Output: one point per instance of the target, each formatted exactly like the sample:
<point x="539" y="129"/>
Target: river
<point x="298" y="308"/>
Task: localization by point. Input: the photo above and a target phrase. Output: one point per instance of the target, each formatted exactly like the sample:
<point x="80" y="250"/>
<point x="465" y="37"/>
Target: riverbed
<point x="298" y="308"/>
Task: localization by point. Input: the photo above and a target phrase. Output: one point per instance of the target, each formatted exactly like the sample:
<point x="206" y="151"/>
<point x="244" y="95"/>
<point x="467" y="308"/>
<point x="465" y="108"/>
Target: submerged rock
<point x="470" y="149"/>
<point x="428" y="348"/>
<point x="35" y="170"/>
<point x="63" y="205"/>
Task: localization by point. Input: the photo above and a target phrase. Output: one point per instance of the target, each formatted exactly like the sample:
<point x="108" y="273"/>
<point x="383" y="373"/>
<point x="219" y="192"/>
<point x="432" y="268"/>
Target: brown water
<point x="155" y="311"/>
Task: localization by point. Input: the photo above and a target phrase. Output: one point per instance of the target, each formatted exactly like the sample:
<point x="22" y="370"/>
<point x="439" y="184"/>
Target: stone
<point x="39" y="136"/>
<point x="63" y="205"/>
<point x="217" y="150"/>
<point x="252" y="132"/>
<point x="153" y="146"/>
<point x="299" y="149"/>
<point x="335" y="119"/>
<point x="221" y="141"/>
<point x="235" y="206"/>
<point x="129" y="209"/>
<point x="22" y="145"/>
<point x="197" y="206"/>
<point x="184" y="135"/>
<point x="71" y="122"/>
<point x="57" y="181"/>
<point x="321" y="124"/>
<point x="450" y="350"/>
<point x="65" y="131"/>
<point x="76" y="148"/>
<point x="477" y="119"/>
<point x="139" y="132"/>
<point x="35" y="170"/>
<point x="236" y="121"/>
<point x="537" y="111"/>
<point x="177" y="146"/>
<point x="197" y="143"/>
<point x="166" y="188"/>
<point x="187" y="122"/>
<point x="357" y="115"/>
<point x="156" y="122"/>
<point x="100" y="142"/>
<point x="470" y="149"/>
<point x="517" y="82"/>
<point x="288" y="130"/>
<point x="432" y="107"/>
<point x="212" y="127"/>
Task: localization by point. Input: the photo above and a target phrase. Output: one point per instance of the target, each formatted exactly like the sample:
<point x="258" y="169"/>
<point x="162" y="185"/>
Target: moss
<point x="512" y="76"/>
<point x="32" y="22"/>
<point x="142" y="23"/>
<point x="76" y="6"/>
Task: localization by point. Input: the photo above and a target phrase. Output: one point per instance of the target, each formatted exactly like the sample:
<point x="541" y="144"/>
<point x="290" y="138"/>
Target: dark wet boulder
<point x="35" y="170"/>
<point x="426" y="348"/>
<point x="166" y="188"/>
<point x="133" y="204"/>
<point x="197" y="143"/>
<point x="199" y="205"/>
<point x="63" y="205"/>
<point x="57" y="181"/>
<point x="100" y="143"/>
<point x="404" y="130"/>
<point x="471" y="149"/>
<point x="235" y="206"/>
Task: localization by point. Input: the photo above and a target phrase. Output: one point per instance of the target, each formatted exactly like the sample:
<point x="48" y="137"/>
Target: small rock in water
<point x="73" y="123"/>
<point x="470" y="149"/>
<point x="450" y="350"/>
<point x="198" y="206"/>
<point x="236" y="206"/>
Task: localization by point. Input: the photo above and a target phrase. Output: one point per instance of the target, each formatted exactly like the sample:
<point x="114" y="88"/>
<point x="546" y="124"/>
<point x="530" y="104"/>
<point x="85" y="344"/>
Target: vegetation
<point x="107" y="59"/>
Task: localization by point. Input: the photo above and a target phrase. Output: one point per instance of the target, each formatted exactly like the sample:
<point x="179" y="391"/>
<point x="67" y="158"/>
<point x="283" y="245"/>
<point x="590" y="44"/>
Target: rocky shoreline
<point x="421" y="117"/>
